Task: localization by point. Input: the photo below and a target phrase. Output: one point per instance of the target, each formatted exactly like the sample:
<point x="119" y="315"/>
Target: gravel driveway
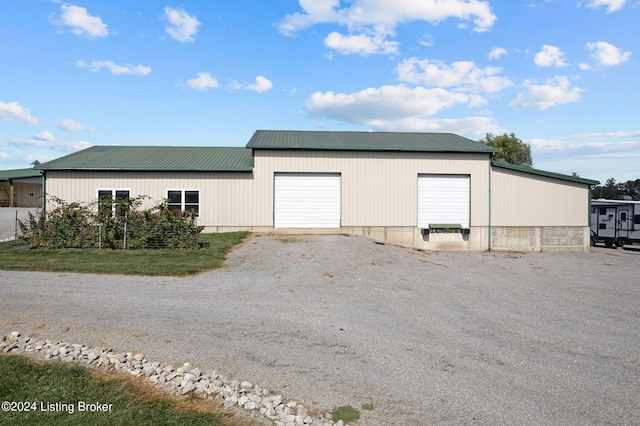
<point x="8" y="220"/>
<point x="426" y="337"/>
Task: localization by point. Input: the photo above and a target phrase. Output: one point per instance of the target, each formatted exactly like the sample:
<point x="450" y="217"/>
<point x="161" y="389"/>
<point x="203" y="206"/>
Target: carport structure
<point x="21" y="188"/>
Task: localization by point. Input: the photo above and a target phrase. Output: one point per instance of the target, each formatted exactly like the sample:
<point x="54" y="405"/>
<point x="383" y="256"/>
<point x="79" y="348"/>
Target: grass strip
<point x="162" y="262"/>
<point x="62" y="394"/>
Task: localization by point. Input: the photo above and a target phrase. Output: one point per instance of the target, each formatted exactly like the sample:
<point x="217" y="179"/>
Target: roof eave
<point x="544" y="173"/>
<point x="90" y="169"/>
<point x="444" y="150"/>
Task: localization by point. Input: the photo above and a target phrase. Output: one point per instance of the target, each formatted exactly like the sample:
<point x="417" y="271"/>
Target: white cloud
<point x="608" y="135"/>
<point x="426" y="40"/>
<point x="203" y="81"/>
<point x="467" y="126"/>
<point x="541" y="4"/>
<point x="315" y="12"/>
<point x="72" y="125"/>
<point x="591" y="143"/>
<point x="115" y="69"/>
<point x="607" y="54"/>
<point x="556" y="91"/>
<point x="462" y="75"/>
<point x="360" y="44"/>
<point x="387" y="14"/>
<point x="611" y="5"/>
<point x="44" y="136"/>
<point x="12" y="111"/>
<point x="497" y="53"/>
<point x="261" y="85"/>
<point x="370" y="22"/>
<point x="182" y="26"/>
<point x="383" y="104"/>
<point x="81" y="22"/>
<point x="52" y="145"/>
<point x="550" y="56"/>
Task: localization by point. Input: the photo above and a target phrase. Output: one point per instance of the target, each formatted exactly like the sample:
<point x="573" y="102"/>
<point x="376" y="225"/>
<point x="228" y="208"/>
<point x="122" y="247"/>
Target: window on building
<point x="113" y="202"/>
<point x="184" y="200"/>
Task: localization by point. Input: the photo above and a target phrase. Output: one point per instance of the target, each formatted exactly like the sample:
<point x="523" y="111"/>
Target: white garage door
<point x="307" y="200"/>
<point x="443" y="199"/>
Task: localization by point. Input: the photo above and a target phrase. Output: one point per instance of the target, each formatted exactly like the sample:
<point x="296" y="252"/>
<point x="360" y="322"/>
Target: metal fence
<point x="9" y="217"/>
<point x="120" y="235"/>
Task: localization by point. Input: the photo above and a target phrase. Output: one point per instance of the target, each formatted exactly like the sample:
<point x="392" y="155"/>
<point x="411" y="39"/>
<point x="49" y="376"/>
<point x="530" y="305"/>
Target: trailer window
<point x="636" y="219"/>
<point x="623" y="216"/>
<point x="603" y="211"/>
<point x="602" y="226"/>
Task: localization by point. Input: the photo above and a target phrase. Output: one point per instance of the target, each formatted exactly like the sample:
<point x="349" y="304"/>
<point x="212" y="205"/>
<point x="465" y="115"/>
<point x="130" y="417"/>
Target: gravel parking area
<point x="8" y="220"/>
<point x="426" y="337"/>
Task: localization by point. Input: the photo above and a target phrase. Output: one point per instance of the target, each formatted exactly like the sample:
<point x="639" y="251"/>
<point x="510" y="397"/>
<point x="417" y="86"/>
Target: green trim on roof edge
<point x="19" y="174"/>
<point x="155" y="158"/>
<point x="365" y="141"/>
<point x="544" y="173"/>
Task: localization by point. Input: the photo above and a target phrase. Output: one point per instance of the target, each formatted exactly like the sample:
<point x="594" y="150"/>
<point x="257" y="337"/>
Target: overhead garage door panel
<point x="443" y="199"/>
<point x="307" y="200"/>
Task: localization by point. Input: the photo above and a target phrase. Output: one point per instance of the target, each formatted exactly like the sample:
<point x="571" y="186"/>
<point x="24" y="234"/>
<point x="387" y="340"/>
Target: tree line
<point x="612" y="189"/>
<point x="514" y="151"/>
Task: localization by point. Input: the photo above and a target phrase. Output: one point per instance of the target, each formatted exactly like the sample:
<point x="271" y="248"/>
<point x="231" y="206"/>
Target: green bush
<point x="125" y="226"/>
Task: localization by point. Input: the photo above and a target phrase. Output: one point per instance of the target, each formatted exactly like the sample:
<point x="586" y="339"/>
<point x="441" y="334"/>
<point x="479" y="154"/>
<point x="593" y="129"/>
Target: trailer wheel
<point x="619" y="243"/>
<point x="608" y="243"/>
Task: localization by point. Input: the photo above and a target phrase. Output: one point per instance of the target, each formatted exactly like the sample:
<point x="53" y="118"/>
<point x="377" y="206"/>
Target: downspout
<point x="490" y="167"/>
<point x="589" y="215"/>
<point x="44" y="191"/>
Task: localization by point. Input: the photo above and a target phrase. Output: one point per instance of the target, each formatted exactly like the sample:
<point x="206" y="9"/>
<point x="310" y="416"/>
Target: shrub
<point x="85" y="225"/>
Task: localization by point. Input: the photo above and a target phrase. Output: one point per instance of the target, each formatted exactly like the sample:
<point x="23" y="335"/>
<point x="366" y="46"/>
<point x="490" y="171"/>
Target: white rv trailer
<point x="615" y="222"/>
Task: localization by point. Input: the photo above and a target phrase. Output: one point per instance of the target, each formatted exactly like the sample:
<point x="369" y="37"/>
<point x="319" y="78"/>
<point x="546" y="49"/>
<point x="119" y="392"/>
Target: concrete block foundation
<point x="518" y="238"/>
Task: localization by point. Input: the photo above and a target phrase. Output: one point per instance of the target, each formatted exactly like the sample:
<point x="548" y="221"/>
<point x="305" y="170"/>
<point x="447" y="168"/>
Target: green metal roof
<point x="365" y="141"/>
<point x="155" y="158"/>
<point x="19" y="174"/>
<point x="544" y="173"/>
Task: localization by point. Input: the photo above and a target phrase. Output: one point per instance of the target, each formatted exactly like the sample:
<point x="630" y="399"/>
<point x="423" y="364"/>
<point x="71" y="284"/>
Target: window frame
<point x="183" y="199"/>
<point x="114" y="198"/>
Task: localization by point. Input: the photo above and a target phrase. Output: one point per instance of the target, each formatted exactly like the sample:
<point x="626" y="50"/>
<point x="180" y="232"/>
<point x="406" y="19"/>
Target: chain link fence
<point x="73" y="225"/>
<point x="9" y="217"/>
<point x="121" y="236"/>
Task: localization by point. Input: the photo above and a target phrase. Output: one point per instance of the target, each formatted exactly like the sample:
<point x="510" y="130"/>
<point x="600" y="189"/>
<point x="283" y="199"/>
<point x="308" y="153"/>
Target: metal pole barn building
<point x="423" y="190"/>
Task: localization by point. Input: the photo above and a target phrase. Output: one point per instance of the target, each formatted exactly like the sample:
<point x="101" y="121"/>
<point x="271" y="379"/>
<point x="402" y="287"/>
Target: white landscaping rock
<point x="181" y="381"/>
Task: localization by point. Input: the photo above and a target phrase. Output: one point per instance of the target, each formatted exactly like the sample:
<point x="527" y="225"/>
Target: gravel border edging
<point x="175" y="381"/>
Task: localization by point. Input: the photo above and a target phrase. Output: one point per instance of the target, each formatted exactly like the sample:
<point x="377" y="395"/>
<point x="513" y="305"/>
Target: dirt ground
<point x="426" y="337"/>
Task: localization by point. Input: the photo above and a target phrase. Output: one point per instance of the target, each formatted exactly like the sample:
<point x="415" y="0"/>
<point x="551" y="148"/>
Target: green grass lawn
<point x="127" y="262"/>
<point x="61" y="394"/>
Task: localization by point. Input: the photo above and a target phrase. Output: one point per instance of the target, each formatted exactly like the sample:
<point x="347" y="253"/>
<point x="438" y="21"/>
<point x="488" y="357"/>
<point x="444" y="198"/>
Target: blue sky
<point x="561" y="75"/>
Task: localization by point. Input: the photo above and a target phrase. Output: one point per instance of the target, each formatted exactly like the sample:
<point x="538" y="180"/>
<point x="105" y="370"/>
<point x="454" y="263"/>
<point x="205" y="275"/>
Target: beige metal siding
<point x="378" y="188"/>
<point x="22" y="194"/>
<point x="523" y="199"/>
<point x="226" y="199"/>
